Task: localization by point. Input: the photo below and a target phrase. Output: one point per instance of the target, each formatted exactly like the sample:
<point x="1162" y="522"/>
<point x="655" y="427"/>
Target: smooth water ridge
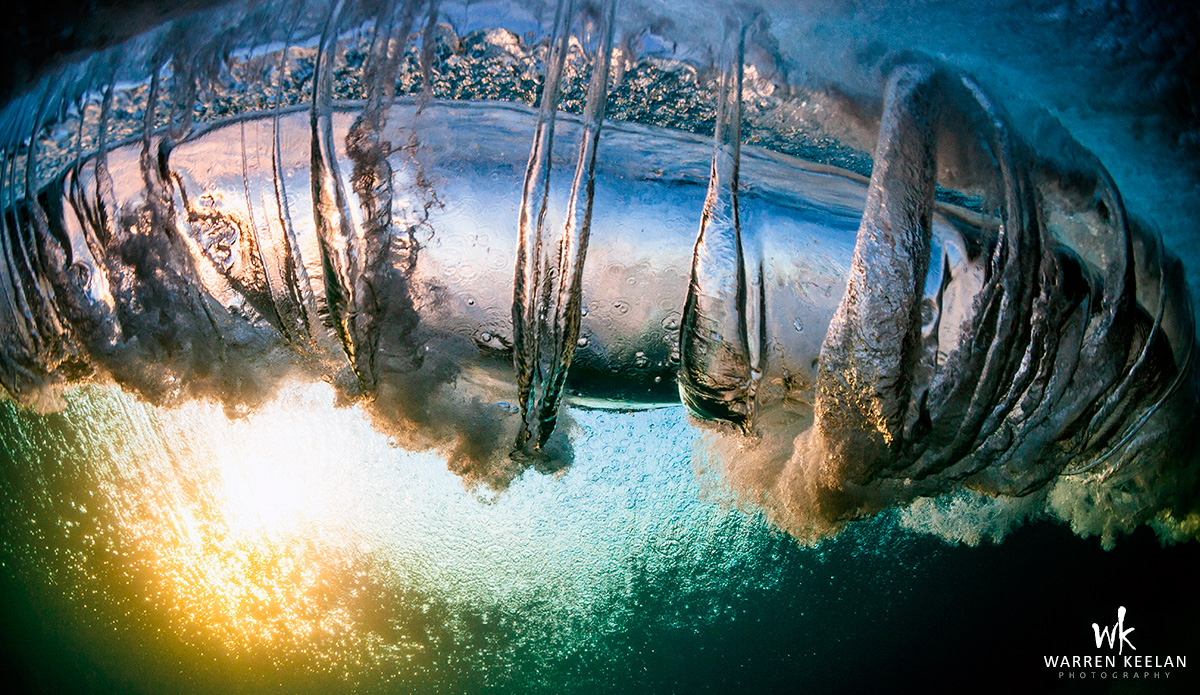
<point x="394" y="346"/>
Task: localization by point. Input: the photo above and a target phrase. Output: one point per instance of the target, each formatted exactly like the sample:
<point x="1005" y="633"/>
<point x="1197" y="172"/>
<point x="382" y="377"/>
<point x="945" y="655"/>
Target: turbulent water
<point x="360" y="333"/>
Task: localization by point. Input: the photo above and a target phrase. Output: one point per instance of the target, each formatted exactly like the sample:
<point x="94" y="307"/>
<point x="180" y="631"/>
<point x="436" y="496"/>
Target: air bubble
<point x="81" y="273"/>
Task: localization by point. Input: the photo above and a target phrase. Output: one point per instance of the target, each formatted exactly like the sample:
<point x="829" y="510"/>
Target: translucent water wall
<point x="378" y="342"/>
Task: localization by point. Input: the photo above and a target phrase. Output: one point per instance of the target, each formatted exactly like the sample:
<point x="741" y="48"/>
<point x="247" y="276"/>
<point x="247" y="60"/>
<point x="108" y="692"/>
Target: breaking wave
<point x="879" y="292"/>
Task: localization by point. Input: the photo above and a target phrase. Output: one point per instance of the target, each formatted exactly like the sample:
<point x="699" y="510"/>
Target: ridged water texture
<point x="974" y="315"/>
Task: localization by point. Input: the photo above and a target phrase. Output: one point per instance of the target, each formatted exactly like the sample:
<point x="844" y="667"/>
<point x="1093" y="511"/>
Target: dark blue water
<point x="630" y="573"/>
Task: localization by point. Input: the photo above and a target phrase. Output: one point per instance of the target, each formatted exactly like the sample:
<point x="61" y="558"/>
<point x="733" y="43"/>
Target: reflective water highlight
<point x="232" y="536"/>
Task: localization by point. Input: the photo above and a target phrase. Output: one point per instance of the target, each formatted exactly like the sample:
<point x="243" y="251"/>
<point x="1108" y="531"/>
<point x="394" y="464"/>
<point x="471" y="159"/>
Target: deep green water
<point x="296" y="550"/>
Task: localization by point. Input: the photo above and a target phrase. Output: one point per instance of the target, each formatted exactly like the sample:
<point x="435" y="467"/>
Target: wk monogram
<point x="1117" y="634"/>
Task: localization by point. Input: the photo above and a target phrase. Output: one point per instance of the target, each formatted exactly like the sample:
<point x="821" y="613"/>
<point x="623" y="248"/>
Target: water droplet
<point x="583" y="311"/>
<point x="485" y="336"/>
<point x="671" y="323"/>
<point x="81" y="273"/>
<point x="631" y="281"/>
<point x="658" y="379"/>
<point x="797" y="325"/>
<point x="470" y="301"/>
<point x="670" y="547"/>
<point x="621" y="306"/>
<point x="582" y="342"/>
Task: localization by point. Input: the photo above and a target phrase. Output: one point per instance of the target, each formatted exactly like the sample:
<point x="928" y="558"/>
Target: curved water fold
<point x="720" y="341"/>
<point x="977" y="344"/>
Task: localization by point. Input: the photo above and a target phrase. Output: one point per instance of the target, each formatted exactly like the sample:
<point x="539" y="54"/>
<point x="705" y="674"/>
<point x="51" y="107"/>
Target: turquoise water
<point x="297" y="550"/>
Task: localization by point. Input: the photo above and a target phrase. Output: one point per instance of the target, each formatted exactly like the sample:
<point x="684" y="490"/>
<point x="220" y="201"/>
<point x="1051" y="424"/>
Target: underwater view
<point x="544" y="346"/>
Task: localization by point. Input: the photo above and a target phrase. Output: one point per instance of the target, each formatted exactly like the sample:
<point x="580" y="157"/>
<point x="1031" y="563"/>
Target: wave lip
<point x="1010" y="334"/>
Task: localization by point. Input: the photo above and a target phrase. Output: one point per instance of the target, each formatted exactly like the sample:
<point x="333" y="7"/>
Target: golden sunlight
<point x="249" y="538"/>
